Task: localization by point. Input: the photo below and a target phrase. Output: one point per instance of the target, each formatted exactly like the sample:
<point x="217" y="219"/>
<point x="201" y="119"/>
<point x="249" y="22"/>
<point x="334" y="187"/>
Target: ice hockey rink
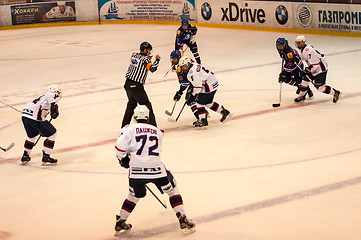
<point x="292" y="172"/>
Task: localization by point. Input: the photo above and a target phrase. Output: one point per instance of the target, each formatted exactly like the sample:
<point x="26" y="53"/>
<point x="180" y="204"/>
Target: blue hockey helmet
<point x="185" y="22"/>
<point x="281" y="41"/>
<point x="175" y="54"/>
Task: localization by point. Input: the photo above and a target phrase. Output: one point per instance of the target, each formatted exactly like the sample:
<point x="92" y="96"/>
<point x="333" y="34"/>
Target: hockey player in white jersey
<point x="317" y="67"/>
<point x="35" y="123"/>
<point x="60" y="11"/>
<point x="138" y="148"/>
<point x="205" y="85"/>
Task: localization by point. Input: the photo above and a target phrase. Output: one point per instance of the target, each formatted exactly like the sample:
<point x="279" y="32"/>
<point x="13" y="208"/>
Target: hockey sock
<point x="326" y="90"/>
<point x="128" y="206"/>
<point x="201" y="111"/>
<point x="49" y="144"/>
<point x="304" y="87"/>
<point x="195" y="110"/>
<point x="176" y="201"/>
<point x="215" y="107"/>
<point x="29" y="144"/>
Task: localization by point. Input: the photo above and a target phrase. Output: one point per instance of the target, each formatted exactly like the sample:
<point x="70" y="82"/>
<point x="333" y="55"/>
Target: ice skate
<point x="300" y="98"/>
<point x="201" y="124"/>
<point x="25" y="158"/>
<point x="225" y="115"/>
<point x="336" y="95"/>
<point x="47" y="160"/>
<point x="185" y="224"/>
<point x="121" y="226"/>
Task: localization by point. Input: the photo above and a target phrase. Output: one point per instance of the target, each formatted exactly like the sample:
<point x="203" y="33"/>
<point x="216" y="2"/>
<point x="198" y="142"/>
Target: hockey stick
<point x="163" y="204"/>
<point x="280" y="95"/>
<point x="170" y="119"/>
<point x="279" y="101"/>
<point x="170" y="113"/>
<point x="8" y="148"/>
<point x="11" y="106"/>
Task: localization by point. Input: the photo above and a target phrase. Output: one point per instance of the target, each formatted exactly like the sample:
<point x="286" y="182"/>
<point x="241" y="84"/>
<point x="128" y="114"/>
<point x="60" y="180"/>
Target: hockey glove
<point x="189" y="92"/>
<point x="54" y="111"/>
<point x="124" y="162"/>
<point x="193" y="39"/>
<point x="177" y="95"/>
<point x="307" y="71"/>
<point x="282" y="77"/>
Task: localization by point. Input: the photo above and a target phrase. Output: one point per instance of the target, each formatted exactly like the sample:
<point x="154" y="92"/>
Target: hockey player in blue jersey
<point x="184" y="84"/>
<point x="292" y="70"/>
<point x="186" y="35"/>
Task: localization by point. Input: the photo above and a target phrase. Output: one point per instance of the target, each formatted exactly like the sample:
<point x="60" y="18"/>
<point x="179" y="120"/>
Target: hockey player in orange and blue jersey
<point x="292" y="69"/>
<point x="186" y="34"/>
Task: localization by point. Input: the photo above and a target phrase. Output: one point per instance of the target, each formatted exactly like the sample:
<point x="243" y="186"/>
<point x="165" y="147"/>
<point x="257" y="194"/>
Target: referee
<point x="140" y="64"/>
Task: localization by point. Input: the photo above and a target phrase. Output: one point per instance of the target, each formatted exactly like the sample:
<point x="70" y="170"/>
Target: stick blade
<point x="168" y="113"/>
<point x="10" y="146"/>
<point x="276" y="105"/>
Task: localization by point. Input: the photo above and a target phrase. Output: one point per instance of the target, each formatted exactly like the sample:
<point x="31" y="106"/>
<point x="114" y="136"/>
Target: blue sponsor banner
<point x="62" y="11"/>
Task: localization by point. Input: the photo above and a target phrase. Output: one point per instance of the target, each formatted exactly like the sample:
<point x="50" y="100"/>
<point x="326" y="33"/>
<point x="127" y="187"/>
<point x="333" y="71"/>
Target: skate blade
<point x="228" y="117"/>
<point x="187" y="231"/>
<point x="121" y="232"/>
<point x="24" y="163"/>
<point x="201" y="128"/>
<point x="48" y="164"/>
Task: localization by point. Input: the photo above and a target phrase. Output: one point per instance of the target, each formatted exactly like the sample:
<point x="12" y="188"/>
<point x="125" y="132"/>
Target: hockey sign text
<point x="235" y="13"/>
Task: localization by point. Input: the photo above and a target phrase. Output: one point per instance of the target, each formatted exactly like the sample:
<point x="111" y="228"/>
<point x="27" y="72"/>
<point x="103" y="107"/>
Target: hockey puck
<point x="276" y="105"/>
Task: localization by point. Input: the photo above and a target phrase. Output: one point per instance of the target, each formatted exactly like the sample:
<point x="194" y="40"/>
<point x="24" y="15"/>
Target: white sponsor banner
<point x="147" y="10"/>
<point x="246" y="13"/>
<point x="297" y="15"/>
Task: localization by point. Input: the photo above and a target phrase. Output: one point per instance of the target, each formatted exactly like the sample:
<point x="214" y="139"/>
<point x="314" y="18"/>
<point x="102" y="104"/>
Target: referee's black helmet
<point x="145" y="45"/>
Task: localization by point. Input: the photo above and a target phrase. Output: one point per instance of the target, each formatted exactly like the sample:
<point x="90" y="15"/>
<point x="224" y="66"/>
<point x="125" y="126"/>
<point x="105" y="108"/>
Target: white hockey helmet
<point x="61" y="3"/>
<point x="301" y="39"/>
<point x="54" y="88"/>
<point x="184" y="61"/>
<point x="141" y="112"/>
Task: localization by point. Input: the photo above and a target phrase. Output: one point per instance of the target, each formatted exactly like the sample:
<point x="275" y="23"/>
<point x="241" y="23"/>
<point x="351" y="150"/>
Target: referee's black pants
<point x="136" y="94"/>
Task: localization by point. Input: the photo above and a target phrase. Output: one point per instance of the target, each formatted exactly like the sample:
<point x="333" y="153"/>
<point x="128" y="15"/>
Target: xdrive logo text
<point x="234" y="13"/>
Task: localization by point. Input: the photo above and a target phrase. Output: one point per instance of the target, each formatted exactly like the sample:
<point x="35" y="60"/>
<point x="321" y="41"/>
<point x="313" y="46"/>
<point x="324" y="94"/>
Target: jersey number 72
<point x="151" y="149"/>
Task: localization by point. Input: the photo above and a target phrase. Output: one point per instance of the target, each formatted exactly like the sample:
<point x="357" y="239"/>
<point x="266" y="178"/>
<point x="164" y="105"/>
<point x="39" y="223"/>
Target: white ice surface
<point x="292" y="172"/>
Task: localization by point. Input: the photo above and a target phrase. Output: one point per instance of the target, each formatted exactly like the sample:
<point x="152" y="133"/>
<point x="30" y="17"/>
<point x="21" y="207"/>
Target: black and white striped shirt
<point x="139" y="66"/>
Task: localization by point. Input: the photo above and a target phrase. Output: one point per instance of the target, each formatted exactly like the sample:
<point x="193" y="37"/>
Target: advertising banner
<point x="43" y="12"/>
<point x="147" y="10"/>
<point x="328" y="17"/>
<point x="296" y="15"/>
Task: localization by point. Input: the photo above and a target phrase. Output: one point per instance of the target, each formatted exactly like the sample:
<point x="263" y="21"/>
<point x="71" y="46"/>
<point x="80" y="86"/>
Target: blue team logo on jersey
<point x="134" y="61"/>
<point x="206" y="11"/>
<point x="304" y="15"/>
<point x="281" y="14"/>
<point x="113" y="12"/>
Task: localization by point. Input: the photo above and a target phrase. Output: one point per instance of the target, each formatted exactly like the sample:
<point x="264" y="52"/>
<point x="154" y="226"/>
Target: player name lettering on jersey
<point x="146" y="130"/>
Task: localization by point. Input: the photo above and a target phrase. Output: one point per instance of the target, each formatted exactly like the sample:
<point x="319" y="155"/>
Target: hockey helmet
<point x="61" y="3"/>
<point x="184" y="61"/>
<point x="175" y="54"/>
<point x="54" y="88"/>
<point x="300" y="41"/>
<point x="185" y="22"/>
<point x="281" y="41"/>
<point x="141" y="112"/>
<point x="145" y="45"/>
